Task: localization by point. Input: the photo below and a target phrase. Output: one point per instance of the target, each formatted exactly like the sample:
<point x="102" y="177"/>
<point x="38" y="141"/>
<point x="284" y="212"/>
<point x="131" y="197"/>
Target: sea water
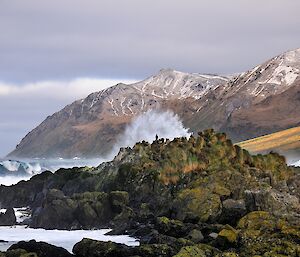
<point x="63" y="238"/>
<point x="15" y="170"/>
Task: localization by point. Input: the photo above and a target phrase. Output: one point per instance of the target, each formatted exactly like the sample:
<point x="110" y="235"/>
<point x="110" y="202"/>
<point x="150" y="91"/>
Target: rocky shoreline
<point x="201" y="196"/>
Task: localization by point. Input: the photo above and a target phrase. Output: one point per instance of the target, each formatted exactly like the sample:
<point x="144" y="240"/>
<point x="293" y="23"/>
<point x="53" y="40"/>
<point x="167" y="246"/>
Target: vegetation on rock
<point x="201" y="196"/>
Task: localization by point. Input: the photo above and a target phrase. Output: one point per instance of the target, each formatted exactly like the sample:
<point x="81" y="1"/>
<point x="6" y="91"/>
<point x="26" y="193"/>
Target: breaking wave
<point x="164" y="124"/>
<point x="296" y="164"/>
<point x="12" y="167"/>
<point x="12" y="171"/>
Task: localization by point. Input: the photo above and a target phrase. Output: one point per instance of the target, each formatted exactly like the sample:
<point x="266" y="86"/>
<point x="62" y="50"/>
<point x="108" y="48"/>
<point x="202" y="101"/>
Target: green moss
<point x="198" y="202"/>
<point x="229" y="234"/>
<point x="257" y="220"/>
<point x="153" y="250"/>
<point x="269" y="247"/>
<point x="227" y="254"/>
<point x="199" y="250"/>
<point x="18" y="253"/>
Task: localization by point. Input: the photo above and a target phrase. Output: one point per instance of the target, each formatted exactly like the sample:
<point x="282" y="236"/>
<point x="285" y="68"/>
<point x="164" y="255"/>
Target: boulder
<point x="8" y="218"/>
<point x="41" y="249"/>
<point x="197" y="204"/>
<point x="118" y="200"/>
<point x="232" y="211"/>
<point x="93" y="248"/>
<point x="86" y="210"/>
<point x="171" y="227"/>
<point x="57" y="212"/>
<point x="199" y="250"/>
<point x="227" y="237"/>
<point x="18" y="253"/>
<point x="273" y="201"/>
<point x="195" y="236"/>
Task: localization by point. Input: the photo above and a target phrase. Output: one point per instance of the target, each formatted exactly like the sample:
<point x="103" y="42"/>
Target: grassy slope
<point x="285" y="141"/>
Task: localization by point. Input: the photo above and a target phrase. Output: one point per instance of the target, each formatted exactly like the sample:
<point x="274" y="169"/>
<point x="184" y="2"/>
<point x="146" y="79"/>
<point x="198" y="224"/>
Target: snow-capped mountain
<point x="248" y="105"/>
<point x="125" y="100"/>
<point x="265" y="99"/>
<point x="91" y="125"/>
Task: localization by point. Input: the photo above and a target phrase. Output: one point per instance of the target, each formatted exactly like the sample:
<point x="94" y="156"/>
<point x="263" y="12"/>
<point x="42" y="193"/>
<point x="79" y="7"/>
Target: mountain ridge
<point x="90" y="126"/>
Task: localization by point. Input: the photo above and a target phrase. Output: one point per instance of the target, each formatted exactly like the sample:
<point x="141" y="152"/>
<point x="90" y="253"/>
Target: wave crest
<point x="12" y="167"/>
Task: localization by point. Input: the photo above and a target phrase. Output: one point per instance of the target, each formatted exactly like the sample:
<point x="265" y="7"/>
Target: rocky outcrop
<point x="92" y="248"/>
<point x="87" y="210"/>
<point x="8" y="218"/>
<point x="201" y="195"/>
<point x="39" y="249"/>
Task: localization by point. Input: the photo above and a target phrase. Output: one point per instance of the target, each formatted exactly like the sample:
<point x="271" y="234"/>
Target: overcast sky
<point x="55" y="51"/>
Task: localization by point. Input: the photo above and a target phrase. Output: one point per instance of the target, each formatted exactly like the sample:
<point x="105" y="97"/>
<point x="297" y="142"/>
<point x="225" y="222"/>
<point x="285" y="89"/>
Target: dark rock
<point x="195" y="235"/>
<point x="23" y="193"/>
<point x="232" y="211"/>
<point x="18" y="253"/>
<point x="87" y="210"/>
<point x="8" y="218"/>
<point x="201" y="250"/>
<point x="57" y="212"/>
<point x="92" y="248"/>
<point x="171" y="227"/>
<point x="42" y="249"/>
<point x="118" y="200"/>
<point x="227" y="237"/>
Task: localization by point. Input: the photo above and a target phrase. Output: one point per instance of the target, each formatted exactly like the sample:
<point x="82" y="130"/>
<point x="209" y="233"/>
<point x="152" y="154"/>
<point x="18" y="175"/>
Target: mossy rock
<point x="125" y="215"/>
<point x="153" y="250"/>
<point x="228" y="234"/>
<point x="220" y="190"/>
<point x="85" y="214"/>
<point x="198" y="203"/>
<point x="145" y="211"/>
<point x="229" y="254"/>
<point x="170" y="227"/>
<point x="28" y="255"/>
<point x="256" y="223"/>
<point x="92" y="248"/>
<point x="119" y="199"/>
<point x="18" y="253"/>
<point x="289" y="230"/>
<point x="257" y="220"/>
<point x="269" y="247"/>
<point x="42" y="249"/>
<point x="199" y="250"/>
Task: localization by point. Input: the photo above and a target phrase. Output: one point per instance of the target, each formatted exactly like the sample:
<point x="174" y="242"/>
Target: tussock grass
<point x="283" y="140"/>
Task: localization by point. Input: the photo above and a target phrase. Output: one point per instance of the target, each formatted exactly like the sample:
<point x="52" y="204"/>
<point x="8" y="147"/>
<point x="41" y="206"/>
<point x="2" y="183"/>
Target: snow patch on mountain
<point x="133" y="99"/>
<point x="284" y="74"/>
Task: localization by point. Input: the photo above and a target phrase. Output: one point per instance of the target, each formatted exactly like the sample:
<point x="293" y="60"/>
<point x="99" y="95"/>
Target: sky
<point x="55" y="51"/>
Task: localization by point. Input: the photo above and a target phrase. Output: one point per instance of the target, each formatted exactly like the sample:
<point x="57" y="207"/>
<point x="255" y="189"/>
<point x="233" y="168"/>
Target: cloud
<point x="24" y="106"/>
<point x="59" y="90"/>
<point x="52" y="42"/>
<point x="63" y="39"/>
